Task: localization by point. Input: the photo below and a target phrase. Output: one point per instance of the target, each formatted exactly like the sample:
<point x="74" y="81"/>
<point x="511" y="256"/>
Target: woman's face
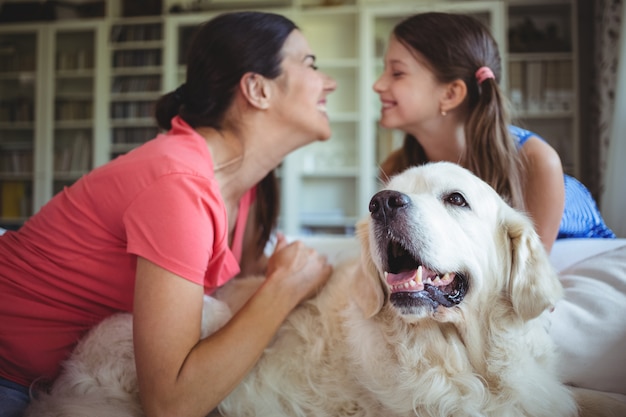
<point x="301" y="102"/>
<point x="408" y="90"/>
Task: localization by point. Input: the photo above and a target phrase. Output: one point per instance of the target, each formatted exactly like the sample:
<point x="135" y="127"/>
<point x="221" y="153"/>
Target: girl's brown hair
<point x="455" y="46"/>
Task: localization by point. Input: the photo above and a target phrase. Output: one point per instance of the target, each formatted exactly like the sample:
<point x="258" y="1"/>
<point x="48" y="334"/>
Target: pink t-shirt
<point x="73" y="263"/>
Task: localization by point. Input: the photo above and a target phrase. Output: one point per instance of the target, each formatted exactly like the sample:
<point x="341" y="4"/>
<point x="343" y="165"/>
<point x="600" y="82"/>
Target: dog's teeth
<point x="437" y="280"/>
<point x="406" y="285"/>
<point x="412" y="283"/>
<point x="385" y="274"/>
<point x="418" y="274"/>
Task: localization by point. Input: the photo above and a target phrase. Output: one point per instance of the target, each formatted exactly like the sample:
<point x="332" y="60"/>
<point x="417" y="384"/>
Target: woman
<point x="154" y="230"/>
<point x="440" y="86"/>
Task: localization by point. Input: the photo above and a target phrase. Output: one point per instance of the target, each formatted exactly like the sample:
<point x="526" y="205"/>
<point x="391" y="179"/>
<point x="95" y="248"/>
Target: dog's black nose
<point x="386" y="203"/>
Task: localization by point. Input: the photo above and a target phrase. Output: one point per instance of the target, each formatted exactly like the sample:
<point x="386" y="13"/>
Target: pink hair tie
<point x="483" y="73"/>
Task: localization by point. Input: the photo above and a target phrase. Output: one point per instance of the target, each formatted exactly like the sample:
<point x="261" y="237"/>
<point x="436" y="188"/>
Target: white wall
<point x="614" y="195"/>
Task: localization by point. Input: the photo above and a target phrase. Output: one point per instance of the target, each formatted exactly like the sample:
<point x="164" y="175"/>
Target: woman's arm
<point x="181" y="375"/>
<point x="544" y="190"/>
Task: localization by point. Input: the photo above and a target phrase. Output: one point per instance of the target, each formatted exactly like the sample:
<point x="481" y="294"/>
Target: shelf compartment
<point x="337" y="208"/>
<point x="540" y="27"/>
<point x="72" y="153"/>
<point x="541" y="84"/>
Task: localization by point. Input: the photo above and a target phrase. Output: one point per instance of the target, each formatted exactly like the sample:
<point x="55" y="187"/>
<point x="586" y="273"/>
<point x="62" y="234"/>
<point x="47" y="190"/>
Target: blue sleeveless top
<point x="581" y="217"/>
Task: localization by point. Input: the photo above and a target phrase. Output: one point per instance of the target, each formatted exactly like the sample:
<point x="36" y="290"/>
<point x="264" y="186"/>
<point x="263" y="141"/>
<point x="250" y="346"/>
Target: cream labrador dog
<point x="443" y="315"/>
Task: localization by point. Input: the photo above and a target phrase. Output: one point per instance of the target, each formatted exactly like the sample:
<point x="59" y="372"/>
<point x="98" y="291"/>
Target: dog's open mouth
<point x="413" y="284"/>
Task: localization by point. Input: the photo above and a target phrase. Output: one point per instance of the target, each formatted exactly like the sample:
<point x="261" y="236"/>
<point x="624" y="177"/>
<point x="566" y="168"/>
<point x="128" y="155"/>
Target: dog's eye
<point x="456" y="199"/>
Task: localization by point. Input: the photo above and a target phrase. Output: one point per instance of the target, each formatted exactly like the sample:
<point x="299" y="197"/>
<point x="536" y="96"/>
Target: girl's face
<point x="409" y="93"/>
<point x="301" y="102"/>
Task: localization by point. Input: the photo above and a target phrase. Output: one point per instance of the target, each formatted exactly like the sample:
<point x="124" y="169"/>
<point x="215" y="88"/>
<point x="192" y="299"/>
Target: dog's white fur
<point x="352" y="351"/>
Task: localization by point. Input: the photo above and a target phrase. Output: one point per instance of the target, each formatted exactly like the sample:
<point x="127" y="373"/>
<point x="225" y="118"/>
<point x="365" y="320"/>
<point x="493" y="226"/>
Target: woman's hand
<point x="299" y="265"/>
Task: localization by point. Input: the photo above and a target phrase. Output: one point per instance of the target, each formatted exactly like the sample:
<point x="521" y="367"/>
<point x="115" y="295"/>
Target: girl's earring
<point x="443" y="112"/>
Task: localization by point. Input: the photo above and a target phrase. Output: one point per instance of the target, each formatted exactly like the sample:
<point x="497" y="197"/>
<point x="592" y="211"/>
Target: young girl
<point x="154" y="230"/>
<point x="440" y="86"/>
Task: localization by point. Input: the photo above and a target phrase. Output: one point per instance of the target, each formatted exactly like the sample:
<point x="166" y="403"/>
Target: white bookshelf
<point x="326" y="187"/>
<point x="22" y="54"/>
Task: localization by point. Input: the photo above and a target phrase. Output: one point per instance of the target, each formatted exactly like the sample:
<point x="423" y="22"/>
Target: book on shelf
<point x="137" y="58"/>
<point x="134" y="84"/>
<point x="73" y="110"/>
<point x="13" y="197"/>
<point x="534" y="85"/>
<point x="134" y="135"/>
<point x="16" y="161"/>
<point x="132" y="109"/>
<point x="17" y="109"/>
<point x="136" y="32"/>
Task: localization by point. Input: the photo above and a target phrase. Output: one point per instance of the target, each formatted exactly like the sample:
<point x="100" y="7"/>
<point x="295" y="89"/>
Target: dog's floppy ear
<point x="368" y="292"/>
<point x="534" y="285"/>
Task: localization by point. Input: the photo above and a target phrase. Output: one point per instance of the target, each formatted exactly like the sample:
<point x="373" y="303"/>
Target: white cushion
<point x="589" y="324"/>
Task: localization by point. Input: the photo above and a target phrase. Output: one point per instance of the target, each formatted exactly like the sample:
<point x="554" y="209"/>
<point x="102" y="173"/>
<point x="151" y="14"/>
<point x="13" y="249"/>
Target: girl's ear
<point x="453" y="96"/>
<point x="255" y="88"/>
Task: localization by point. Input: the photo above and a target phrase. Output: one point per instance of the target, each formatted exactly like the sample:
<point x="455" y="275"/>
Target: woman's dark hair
<point x="455" y="46"/>
<point x="221" y="52"/>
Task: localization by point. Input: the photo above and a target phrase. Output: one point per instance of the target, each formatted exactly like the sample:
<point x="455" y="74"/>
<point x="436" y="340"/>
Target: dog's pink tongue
<point x="402" y="277"/>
